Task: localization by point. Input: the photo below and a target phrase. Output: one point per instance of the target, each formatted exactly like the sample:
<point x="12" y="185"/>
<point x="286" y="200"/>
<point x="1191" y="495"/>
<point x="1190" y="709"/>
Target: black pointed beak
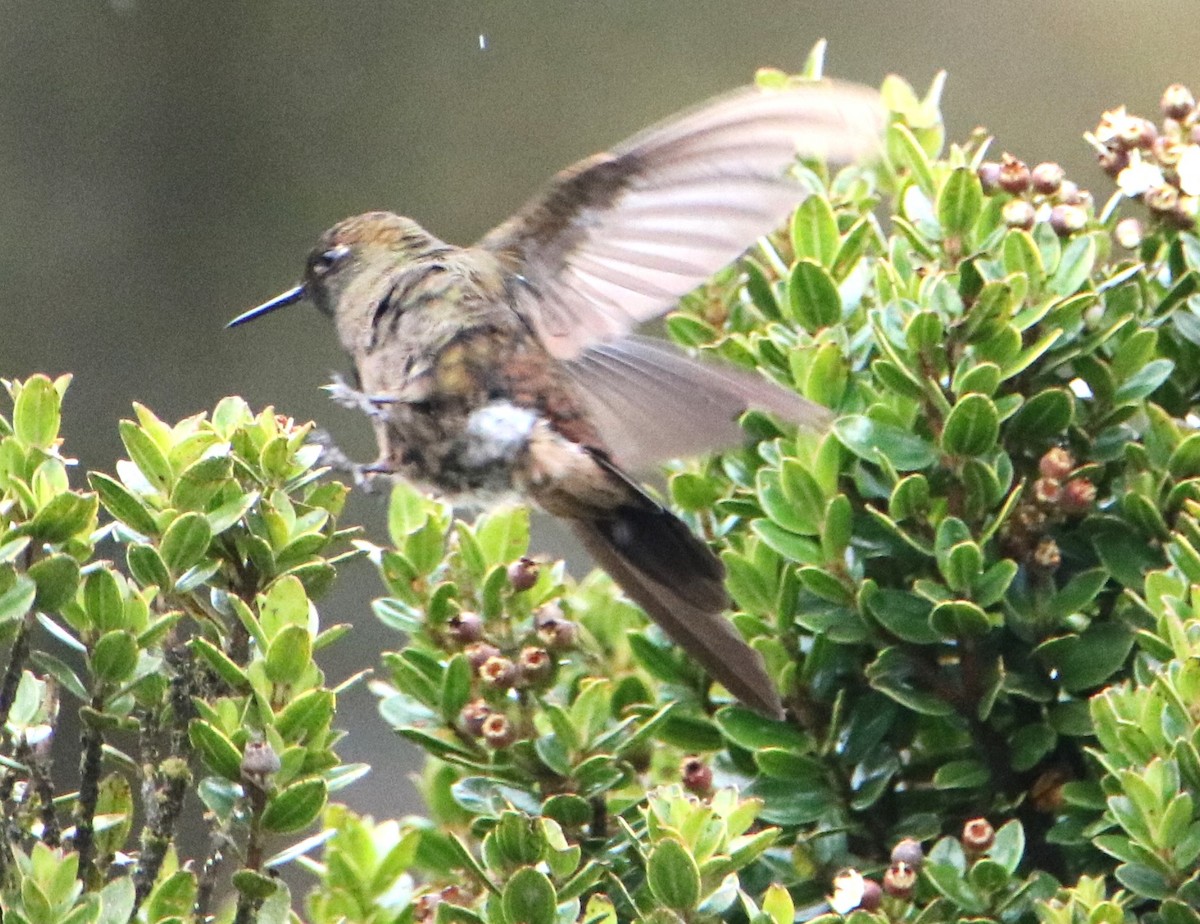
<point x="290" y="297"/>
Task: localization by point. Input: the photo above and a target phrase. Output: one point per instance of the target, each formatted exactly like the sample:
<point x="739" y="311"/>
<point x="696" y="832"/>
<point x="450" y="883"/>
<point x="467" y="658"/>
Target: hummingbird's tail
<point x="678" y="581"/>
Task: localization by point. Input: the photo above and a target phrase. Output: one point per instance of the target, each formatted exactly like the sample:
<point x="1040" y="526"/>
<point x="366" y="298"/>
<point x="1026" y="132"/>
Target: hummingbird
<point x="513" y="367"/>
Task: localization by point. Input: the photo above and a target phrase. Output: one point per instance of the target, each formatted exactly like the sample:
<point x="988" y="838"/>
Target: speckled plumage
<point x="511" y="367"/>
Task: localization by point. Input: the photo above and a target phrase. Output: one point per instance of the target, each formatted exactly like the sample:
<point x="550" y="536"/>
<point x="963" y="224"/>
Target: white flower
<point x="1139" y="176"/>
<point x="848" y="889"/>
<point x="1189" y="170"/>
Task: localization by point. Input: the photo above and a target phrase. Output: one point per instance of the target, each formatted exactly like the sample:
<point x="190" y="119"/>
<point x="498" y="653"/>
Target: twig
<point x="16" y="664"/>
<point x="92" y="741"/>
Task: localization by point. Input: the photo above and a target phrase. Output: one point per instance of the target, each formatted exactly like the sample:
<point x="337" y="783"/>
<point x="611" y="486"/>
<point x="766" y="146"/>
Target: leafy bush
<point x="977" y="594"/>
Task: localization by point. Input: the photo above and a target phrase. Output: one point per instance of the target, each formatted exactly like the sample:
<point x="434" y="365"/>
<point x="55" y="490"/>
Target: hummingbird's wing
<point x="619" y="237"/>
<point x="651" y="402"/>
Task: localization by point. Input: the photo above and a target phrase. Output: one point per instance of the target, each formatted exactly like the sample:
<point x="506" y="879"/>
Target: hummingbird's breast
<point x="466" y="386"/>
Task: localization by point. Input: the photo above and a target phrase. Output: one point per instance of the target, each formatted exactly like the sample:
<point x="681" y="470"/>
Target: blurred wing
<point x="652" y="402"/>
<point x="618" y="238"/>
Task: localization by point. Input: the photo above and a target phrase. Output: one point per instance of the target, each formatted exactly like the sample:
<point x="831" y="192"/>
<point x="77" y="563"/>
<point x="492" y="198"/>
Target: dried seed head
<point x="900" y="880"/>
<point x="497" y="731"/>
<point x="478" y="653"/>
<point x="978" y="836"/>
<point x="473" y="715"/>
<point x="555" y="631"/>
<point x="535" y="666"/>
<point x="498" y="672"/>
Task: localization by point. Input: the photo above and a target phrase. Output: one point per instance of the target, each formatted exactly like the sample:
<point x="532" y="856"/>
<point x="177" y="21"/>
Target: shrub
<point x="976" y="594"/>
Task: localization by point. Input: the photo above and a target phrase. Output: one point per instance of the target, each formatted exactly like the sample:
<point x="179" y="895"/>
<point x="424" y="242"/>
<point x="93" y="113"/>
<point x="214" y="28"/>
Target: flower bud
<point x="1067" y="219"/>
<point x="1113" y="160"/>
<point x="697" y="776"/>
<point x="1047" y="555"/>
<point x="977" y="837"/>
<point x="900" y="880"/>
<point x="872" y="896"/>
<point x="1177" y="102"/>
<point x="1128" y="233"/>
<point x="1014" y="175"/>
<point x="473" y="715"/>
<point x="1078" y="496"/>
<point x="908" y="852"/>
<point x="259" y="763"/>
<point x="555" y="631"/>
<point x="1162" y="199"/>
<point x="1056" y="463"/>
<point x="522" y="574"/>
<point x="498" y="731"/>
<point x="1047" y="178"/>
<point x="989" y="176"/>
<point x="1019" y="214"/>
<point x="464" y="628"/>
<point x="498" y="672"/>
<point x="1047" y="491"/>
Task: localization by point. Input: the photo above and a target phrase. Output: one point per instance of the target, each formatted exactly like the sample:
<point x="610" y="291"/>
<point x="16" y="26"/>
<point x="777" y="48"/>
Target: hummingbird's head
<point x="346" y="272"/>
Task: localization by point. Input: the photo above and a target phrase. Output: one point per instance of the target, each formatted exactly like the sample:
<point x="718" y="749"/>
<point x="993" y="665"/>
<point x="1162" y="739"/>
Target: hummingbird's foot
<point x="374" y="406"/>
<point x="363" y="476"/>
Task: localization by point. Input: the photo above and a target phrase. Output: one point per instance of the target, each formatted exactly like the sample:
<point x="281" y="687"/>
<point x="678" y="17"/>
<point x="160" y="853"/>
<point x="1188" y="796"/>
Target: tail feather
<point x="676" y="579"/>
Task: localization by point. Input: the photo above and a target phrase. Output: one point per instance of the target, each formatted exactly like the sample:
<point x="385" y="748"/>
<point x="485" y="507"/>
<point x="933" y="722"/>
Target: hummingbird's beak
<point x="290" y="297"/>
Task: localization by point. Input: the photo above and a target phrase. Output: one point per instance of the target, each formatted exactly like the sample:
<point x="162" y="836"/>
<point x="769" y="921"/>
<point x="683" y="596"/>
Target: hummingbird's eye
<point x="326" y="260"/>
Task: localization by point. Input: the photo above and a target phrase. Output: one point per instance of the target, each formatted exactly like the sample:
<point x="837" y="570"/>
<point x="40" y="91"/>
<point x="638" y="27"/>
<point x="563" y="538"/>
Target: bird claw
<point x="364" y="477"/>
<point x="374" y="406"/>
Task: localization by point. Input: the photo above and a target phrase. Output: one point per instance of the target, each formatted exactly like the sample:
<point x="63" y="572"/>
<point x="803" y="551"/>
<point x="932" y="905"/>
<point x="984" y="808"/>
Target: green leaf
<point x="972" y="426"/>
<point x="114" y="656"/>
<point x="185" y="542"/>
<point x="218" y="751"/>
<point x="1087" y="660"/>
<point x="147" y="566"/>
<point x="870" y="440"/>
<point x="145" y="454"/>
<point x="123" y="504"/>
<point x="57" y="579"/>
<point x="307" y="716"/>
<point x="1075" y="266"/>
<point x="103" y="601"/>
<point x="37" y="413"/>
<point x="673" y="876"/>
<point x="222" y="664"/>
<point x="1044" y="416"/>
<point x="295" y="807"/>
<point x="1144" y="382"/>
<point x="64" y="516"/>
<point x="959" y="205"/>
<point x="813" y="296"/>
<point x="289" y="655"/>
<point x="815" y="232"/>
<point x="529" y="898"/>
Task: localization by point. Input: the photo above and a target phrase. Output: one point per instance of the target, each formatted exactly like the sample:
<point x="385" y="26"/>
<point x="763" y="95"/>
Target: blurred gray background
<point x="166" y="164"/>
